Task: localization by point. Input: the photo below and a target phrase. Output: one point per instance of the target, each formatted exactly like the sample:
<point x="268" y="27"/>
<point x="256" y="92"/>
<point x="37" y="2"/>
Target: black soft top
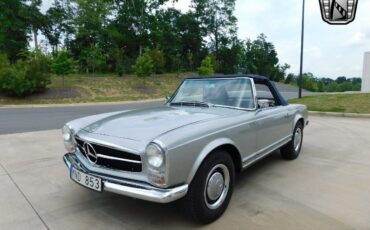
<point x="257" y="80"/>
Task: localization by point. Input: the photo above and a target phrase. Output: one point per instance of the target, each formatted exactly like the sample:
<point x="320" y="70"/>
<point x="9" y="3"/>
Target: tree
<point x="206" y="68"/>
<point x="279" y="72"/>
<point x="341" y="79"/>
<point x="345" y="86"/>
<point x="289" y="79"/>
<point x="91" y="23"/>
<point x="92" y="59"/>
<point x="190" y="34"/>
<point x="144" y="65"/>
<point x="58" y="23"/>
<point x="331" y="87"/>
<point x="63" y="64"/>
<point x="261" y="57"/>
<point x="13" y="28"/>
<point x="35" y="19"/>
<point x="230" y="59"/>
<point x="218" y="21"/>
<point x="158" y="59"/>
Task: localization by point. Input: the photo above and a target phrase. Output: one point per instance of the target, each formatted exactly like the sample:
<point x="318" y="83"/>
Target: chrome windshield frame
<point x="254" y="93"/>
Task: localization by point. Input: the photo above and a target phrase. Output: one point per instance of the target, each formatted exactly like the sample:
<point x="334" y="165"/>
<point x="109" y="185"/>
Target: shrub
<point x="289" y="78"/>
<point x="158" y="59"/>
<point x="4" y="61"/>
<point x="62" y="64"/>
<point x="206" y="67"/>
<point x="14" y="82"/>
<point x="119" y="69"/>
<point x="34" y="73"/>
<point x="93" y="59"/>
<point x="144" y="65"/>
<point x="23" y="78"/>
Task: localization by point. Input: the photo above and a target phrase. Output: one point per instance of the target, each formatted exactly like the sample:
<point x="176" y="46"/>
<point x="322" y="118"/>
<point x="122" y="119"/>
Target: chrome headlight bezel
<point x="155" y="155"/>
<point x="156" y="164"/>
<point x="68" y="140"/>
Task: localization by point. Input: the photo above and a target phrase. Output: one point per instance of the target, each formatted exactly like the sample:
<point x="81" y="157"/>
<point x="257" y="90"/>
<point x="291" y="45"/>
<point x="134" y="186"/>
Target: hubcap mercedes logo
<point x="90" y="153"/>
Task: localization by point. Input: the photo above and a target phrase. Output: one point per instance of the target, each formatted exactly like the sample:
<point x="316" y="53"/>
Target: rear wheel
<point x="211" y="189"/>
<point x="291" y="150"/>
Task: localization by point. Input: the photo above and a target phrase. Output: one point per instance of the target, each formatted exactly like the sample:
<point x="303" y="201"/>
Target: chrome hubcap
<point x="217" y="186"/>
<point x="297" y="139"/>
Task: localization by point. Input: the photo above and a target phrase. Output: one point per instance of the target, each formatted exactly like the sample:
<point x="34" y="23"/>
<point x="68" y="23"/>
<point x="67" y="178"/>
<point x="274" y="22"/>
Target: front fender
<point x="205" y="152"/>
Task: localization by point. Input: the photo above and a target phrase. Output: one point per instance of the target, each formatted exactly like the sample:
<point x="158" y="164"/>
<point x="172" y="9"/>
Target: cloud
<point x="358" y="38"/>
<point x="313" y="51"/>
<point x="182" y="5"/>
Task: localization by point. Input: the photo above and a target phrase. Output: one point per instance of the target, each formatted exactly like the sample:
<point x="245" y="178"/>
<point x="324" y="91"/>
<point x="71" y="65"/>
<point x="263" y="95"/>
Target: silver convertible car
<point x="191" y="147"/>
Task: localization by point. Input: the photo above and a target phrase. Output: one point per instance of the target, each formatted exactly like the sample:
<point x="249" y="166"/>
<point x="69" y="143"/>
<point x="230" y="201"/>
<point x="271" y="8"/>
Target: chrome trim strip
<point x="130" y="188"/>
<point x="106" y="144"/>
<point x="83" y="156"/>
<point x="154" y="195"/>
<point x="117" y="159"/>
<point x="247" y="161"/>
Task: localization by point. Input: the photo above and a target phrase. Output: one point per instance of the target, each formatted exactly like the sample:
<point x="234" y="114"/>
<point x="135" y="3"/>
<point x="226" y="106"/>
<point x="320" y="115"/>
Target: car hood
<point x="147" y="124"/>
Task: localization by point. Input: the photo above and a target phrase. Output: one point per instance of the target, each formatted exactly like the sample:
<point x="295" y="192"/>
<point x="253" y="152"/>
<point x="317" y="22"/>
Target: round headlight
<point x="68" y="139"/>
<point x="67" y="133"/>
<point x="155" y="155"/>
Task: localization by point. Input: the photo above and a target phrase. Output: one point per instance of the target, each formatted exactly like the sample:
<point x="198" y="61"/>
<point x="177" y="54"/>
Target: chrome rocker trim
<point x="128" y="188"/>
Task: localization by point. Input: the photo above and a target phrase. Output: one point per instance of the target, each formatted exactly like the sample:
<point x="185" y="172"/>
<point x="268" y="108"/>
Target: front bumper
<point x="130" y="188"/>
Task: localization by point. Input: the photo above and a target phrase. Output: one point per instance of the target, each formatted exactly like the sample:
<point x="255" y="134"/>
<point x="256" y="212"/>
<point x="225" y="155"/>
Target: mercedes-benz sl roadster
<point x="189" y="148"/>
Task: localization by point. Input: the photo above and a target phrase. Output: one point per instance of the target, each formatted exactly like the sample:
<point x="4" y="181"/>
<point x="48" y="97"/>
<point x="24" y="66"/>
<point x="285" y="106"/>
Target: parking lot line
<point x="24" y="196"/>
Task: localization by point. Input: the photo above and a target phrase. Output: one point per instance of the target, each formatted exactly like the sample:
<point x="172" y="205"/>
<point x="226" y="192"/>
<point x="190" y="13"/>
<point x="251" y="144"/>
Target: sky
<point x="329" y="50"/>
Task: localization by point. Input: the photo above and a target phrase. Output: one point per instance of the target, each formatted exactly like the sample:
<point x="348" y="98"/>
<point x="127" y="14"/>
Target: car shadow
<point x="138" y="214"/>
<point x="257" y="168"/>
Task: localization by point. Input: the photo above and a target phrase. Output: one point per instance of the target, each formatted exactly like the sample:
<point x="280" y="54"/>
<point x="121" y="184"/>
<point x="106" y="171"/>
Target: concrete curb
<point x="312" y="113"/>
<point x="81" y="104"/>
<point x="332" y="114"/>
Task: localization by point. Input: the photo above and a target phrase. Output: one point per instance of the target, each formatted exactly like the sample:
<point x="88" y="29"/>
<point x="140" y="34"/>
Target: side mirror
<point x="167" y="99"/>
<point x="263" y="103"/>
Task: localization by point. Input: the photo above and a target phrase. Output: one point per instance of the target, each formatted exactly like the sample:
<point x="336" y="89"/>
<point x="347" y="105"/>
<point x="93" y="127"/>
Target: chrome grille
<point x="112" y="158"/>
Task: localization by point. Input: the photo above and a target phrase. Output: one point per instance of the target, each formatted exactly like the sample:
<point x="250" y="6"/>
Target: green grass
<point x="343" y="103"/>
<point x="108" y="88"/>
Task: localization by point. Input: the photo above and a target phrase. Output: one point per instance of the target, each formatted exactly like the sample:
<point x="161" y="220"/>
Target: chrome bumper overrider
<point x="129" y="188"/>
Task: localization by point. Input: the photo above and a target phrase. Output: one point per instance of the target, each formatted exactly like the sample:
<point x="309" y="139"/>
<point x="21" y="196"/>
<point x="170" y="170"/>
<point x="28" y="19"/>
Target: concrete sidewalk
<point x="327" y="187"/>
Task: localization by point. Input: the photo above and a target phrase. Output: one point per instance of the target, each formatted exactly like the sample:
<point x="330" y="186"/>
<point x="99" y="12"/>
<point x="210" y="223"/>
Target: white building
<point x="366" y="74"/>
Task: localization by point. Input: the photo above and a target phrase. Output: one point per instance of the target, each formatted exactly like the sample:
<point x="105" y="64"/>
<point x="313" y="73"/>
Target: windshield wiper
<point x="192" y="103"/>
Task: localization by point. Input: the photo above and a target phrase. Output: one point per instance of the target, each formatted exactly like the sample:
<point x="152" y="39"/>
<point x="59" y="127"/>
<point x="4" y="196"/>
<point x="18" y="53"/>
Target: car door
<point x="272" y="126"/>
<point x="245" y="135"/>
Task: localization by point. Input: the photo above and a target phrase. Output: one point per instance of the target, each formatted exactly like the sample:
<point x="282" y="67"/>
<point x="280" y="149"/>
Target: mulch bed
<point x="49" y="94"/>
<point x="145" y="89"/>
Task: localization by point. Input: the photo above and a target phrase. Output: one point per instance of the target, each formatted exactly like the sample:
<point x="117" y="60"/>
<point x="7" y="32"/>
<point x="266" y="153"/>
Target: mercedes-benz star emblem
<point x="90" y="153"/>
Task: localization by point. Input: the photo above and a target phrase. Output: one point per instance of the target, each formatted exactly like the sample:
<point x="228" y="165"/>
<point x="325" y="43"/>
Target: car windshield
<point x="233" y="92"/>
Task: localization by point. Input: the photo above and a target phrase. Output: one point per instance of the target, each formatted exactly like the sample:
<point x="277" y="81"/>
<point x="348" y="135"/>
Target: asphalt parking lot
<point x="327" y="187"/>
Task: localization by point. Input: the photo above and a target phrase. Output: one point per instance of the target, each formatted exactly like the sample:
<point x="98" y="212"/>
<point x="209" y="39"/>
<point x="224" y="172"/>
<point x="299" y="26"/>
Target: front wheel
<point x="211" y="189"/>
<point x="291" y="150"/>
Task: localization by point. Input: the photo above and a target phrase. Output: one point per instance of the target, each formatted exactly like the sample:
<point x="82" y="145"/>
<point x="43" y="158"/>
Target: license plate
<point x="86" y="180"/>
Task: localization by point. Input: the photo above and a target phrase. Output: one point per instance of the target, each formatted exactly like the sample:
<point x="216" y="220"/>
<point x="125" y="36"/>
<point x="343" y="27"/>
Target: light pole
<point x="301" y="65"/>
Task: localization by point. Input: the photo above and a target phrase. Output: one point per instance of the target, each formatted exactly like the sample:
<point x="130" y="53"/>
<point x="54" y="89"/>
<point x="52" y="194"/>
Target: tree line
<point x="109" y="35"/>
<point x="127" y="36"/>
<point x="316" y="84"/>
